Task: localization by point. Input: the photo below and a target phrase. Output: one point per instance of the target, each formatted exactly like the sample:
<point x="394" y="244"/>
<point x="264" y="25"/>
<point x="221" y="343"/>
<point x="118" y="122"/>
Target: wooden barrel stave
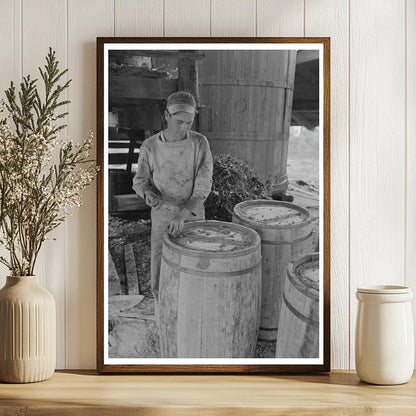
<point x="208" y="307"/>
<point x="273" y="259"/>
<point x="302" y="247"/>
<point x="168" y="297"/>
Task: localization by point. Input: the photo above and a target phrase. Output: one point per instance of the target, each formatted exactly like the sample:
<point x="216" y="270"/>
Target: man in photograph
<point x="174" y="176"/>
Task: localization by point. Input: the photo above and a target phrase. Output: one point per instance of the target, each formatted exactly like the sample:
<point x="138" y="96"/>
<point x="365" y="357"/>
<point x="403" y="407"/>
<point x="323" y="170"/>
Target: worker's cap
<point x="181" y="101"/>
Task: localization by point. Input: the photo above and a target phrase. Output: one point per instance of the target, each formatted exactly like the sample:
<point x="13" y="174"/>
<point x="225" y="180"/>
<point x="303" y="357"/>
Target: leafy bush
<point x="233" y="181"/>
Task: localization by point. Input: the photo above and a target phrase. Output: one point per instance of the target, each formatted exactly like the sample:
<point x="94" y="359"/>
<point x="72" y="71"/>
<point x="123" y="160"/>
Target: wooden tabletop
<point x="86" y="393"/>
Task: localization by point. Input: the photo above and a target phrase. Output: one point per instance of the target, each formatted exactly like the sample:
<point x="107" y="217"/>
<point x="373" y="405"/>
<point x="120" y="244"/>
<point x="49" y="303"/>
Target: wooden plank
<point x="133" y="87"/>
<point x="10" y="67"/>
<point x="124" y="303"/>
<point x="331" y="18"/>
<point x="131" y="153"/>
<point x="133" y="115"/>
<point x="116" y="159"/>
<point x="131" y="271"/>
<point x="37" y="38"/>
<point x="188" y="76"/>
<point x="163" y="53"/>
<point x="129" y="202"/>
<point x="86" y="393"/>
<point x="187" y="18"/>
<point x="138" y="17"/>
<point x="114" y="287"/>
<point x="280" y="18"/>
<point x="233" y="17"/>
<point x="86" y="20"/>
<point x="377" y="147"/>
<point x="410" y="279"/>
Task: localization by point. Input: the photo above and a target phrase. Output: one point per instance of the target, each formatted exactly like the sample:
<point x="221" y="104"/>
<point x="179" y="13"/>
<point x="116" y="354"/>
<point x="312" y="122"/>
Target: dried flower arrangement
<point x="42" y="176"/>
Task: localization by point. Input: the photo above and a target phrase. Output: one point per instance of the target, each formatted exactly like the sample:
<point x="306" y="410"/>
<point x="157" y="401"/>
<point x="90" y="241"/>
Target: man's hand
<point x="176" y="224"/>
<point x="152" y="200"/>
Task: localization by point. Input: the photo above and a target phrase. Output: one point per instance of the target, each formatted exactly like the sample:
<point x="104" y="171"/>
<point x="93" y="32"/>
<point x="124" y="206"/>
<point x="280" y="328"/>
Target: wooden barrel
<point x="247" y="100"/>
<point x="286" y="233"/>
<point x="210" y="291"/>
<point x="298" y="335"/>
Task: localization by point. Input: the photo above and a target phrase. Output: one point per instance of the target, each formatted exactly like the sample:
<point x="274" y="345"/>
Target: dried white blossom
<point x="38" y="188"/>
<point x="42" y="175"/>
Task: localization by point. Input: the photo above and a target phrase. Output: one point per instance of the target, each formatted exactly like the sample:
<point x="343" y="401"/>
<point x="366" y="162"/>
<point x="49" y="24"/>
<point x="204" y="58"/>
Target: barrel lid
<point x="215" y="237"/>
<point x="269" y="213"/>
<point x="384" y="289"/>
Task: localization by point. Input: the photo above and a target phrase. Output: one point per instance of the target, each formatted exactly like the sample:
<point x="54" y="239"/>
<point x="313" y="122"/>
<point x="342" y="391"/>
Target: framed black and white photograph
<point x="213" y="205"/>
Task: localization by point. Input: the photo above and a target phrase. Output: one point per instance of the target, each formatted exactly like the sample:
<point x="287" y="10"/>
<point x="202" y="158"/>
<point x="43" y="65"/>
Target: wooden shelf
<point x="86" y="393"/>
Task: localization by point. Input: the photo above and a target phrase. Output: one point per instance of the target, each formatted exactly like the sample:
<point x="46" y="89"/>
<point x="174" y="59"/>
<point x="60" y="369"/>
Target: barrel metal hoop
<point x="210" y="274"/>
<point x="247" y="82"/>
<point x="214" y="255"/>
<point x="299" y="315"/>
<point x="268" y="329"/>
<point x="281" y="243"/>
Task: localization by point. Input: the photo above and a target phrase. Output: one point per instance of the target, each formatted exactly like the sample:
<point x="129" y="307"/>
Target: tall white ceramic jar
<point x="384" y="338"/>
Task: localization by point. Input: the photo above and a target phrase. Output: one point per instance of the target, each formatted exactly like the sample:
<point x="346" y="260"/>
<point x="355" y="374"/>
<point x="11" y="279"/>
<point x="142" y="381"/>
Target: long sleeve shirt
<point x="179" y="172"/>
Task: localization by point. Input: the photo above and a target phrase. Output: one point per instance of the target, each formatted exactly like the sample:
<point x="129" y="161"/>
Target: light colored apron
<point x="160" y="220"/>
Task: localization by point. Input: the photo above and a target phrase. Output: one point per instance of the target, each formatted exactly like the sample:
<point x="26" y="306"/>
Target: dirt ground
<point x="132" y="331"/>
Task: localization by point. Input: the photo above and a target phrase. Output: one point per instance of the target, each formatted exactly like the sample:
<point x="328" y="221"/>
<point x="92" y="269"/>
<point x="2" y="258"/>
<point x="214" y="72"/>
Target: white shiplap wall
<point x="373" y="131"/>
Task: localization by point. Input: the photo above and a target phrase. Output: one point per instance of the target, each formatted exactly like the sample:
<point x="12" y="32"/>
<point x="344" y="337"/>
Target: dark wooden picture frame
<point x="104" y="365"/>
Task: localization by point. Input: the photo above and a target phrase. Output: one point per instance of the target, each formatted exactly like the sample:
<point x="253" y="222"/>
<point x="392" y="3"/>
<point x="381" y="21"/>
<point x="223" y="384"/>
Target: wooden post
<point x="132" y="144"/>
<point x="188" y="76"/>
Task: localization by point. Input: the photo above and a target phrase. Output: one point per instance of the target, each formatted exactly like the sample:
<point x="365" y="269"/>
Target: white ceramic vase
<point x="384" y="338"/>
<point x="27" y="331"/>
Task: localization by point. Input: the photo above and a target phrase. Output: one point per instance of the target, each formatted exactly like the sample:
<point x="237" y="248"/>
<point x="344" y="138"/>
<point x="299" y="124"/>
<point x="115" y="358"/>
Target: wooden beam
<point x="300" y="120"/>
<point x="131" y="157"/>
<point x="188" y="76"/>
<point x="131" y="271"/>
<point x="302" y="105"/>
<point x="157" y="54"/>
<point x="133" y="87"/>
